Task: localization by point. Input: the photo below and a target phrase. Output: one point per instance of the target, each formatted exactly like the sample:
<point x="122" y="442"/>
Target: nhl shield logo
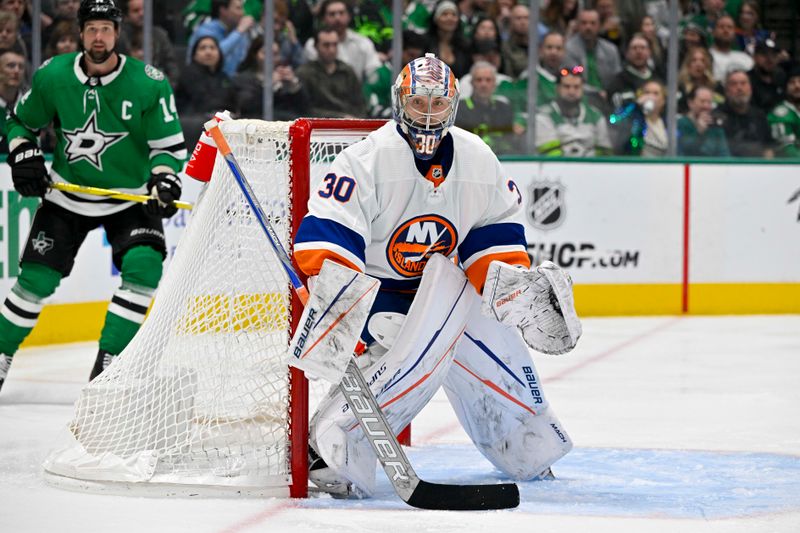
<point x="546" y="209"/>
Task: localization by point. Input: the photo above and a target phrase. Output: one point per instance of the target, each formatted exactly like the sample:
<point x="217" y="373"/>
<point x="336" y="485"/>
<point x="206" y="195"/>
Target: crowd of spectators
<point x="601" y="77"/>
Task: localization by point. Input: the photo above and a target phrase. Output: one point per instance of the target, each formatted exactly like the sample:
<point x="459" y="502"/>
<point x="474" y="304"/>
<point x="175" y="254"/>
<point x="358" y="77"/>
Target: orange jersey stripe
<point x="477" y="270"/>
<point x="310" y="261"/>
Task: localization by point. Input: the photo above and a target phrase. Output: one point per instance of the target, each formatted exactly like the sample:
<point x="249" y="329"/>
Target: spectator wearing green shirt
<point x="599" y="56"/>
<point x="711" y="11"/>
<point x="487" y="51"/>
<point x="698" y="132"/>
<point x="568" y="126"/>
<point x="551" y="59"/>
<point x="785" y="118"/>
<point x="487" y="115"/>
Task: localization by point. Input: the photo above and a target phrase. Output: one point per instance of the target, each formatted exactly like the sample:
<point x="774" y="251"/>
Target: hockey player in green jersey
<point x="116" y="127"/>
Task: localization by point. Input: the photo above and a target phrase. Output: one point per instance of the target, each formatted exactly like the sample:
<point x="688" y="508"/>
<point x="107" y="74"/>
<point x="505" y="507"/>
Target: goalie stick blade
<point x="435" y="496"/>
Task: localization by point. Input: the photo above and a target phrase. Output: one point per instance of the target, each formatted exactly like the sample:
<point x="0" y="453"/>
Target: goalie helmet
<point x="424" y="103"/>
<point x="99" y="10"/>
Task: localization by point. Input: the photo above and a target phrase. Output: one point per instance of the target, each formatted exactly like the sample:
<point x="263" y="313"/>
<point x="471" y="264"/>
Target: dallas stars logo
<point x="89" y="143"/>
<point x="42" y="244"/>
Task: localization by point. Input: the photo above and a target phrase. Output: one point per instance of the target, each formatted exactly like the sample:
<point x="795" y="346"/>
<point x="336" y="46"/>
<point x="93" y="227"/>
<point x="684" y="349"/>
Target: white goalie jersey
<point x="381" y="211"/>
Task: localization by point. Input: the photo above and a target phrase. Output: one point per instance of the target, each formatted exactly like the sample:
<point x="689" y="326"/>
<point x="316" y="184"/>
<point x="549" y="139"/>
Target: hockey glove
<point x="165" y="189"/>
<point x="28" y="172"/>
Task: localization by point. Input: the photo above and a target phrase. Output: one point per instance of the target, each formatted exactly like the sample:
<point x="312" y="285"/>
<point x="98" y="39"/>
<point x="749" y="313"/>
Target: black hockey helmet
<point x="99" y="10"/>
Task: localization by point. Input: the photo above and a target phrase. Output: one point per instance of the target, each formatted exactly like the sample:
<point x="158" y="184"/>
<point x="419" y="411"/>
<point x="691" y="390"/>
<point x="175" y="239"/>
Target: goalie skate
<point x="328" y="480"/>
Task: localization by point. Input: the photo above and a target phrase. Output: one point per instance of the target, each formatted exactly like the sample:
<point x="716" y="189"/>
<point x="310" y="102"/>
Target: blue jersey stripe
<point x="479" y="239"/>
<point x="314" y="229"/>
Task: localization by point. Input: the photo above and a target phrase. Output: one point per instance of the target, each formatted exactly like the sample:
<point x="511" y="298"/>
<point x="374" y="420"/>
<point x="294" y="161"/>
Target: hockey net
<point x="202" y="401"/>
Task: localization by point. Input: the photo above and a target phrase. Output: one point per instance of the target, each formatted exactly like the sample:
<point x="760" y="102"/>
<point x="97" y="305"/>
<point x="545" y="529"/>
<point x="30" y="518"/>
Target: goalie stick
<point x="405" y="482"/>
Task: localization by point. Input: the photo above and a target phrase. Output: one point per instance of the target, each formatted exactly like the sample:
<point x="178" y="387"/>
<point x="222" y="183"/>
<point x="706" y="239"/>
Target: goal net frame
<point x="84" y="465"/>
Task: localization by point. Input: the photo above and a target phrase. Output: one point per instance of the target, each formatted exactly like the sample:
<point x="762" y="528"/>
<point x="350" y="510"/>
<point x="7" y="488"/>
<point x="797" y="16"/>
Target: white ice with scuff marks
<point x="680" y="424"/>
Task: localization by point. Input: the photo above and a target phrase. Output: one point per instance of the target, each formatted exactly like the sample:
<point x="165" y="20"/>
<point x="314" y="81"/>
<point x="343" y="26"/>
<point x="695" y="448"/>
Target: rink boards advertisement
<point x="636" y="238"/>
<point x="607" y="225"/>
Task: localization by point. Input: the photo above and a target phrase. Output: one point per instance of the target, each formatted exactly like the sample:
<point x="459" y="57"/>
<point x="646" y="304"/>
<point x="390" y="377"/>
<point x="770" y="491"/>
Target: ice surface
<point x="681" y="424"/>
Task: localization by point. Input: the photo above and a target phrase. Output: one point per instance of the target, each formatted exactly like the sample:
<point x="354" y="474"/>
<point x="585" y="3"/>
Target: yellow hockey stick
<point x="97" y="191"/>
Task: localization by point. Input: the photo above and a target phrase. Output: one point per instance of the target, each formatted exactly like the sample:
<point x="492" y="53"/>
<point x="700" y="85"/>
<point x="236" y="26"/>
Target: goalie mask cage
<point x="201" y="402"/>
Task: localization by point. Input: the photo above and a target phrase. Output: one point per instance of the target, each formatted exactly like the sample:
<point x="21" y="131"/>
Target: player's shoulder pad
<point x="56" y="66"/>
<point x="372" y="146"/>
<point x="144" y="71"/>
<point x="476" y="156"/>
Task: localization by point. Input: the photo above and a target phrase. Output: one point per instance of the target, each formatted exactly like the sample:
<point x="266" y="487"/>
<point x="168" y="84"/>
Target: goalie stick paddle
<point x="405" y="482"/>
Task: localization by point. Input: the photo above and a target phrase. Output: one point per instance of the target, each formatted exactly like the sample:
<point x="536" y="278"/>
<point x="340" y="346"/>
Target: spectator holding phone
<point x="698" y="132"/>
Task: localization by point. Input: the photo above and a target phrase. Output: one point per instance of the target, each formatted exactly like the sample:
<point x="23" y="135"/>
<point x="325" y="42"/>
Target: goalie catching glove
<point x="538" y="302"/>
<point x="165" y="188"/>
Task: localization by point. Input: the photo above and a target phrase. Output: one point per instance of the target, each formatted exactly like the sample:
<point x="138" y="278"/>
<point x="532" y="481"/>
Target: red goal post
<point x="300" y="134"/>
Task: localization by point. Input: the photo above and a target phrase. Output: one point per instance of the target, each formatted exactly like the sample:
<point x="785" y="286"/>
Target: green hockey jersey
<point x="3" y="125"/>
<point x="110" y="131"/>
<point x="583" y="136"/>
<point x="785" y="123"/>
<point x="517" y="93"/>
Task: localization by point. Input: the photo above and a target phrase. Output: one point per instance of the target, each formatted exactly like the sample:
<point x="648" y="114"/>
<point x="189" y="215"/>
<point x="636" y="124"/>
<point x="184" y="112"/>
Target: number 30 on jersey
<point x="340" y="187"/>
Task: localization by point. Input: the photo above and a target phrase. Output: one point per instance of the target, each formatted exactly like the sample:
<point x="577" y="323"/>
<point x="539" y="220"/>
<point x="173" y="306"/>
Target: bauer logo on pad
<point x="332" y="321"/>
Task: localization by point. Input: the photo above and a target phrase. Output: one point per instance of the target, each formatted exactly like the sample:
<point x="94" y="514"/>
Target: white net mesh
<point x="201" y="394"/>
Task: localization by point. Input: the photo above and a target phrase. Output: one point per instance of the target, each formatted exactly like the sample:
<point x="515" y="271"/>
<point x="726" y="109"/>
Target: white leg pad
<point x="405" y="378"/>
<point x="497" y="396"/>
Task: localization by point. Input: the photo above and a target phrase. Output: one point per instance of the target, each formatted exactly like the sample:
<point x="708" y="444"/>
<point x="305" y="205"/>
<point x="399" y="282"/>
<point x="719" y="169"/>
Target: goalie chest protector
<point x="377" y="213"/>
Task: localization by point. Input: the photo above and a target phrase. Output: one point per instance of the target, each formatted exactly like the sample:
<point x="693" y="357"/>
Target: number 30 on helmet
<point x="424" y="103"/>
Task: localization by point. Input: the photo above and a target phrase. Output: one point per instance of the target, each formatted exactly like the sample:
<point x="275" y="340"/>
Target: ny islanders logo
<point x="416" y="240"/>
